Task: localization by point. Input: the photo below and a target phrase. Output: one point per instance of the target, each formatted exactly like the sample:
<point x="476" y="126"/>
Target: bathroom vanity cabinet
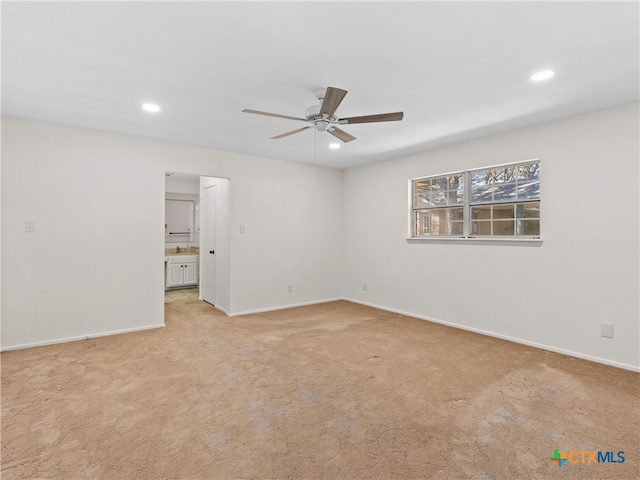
<point x="182" y="270"/>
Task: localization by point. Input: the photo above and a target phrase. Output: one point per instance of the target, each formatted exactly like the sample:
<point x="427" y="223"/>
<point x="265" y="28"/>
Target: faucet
<point x="178" y="249"/>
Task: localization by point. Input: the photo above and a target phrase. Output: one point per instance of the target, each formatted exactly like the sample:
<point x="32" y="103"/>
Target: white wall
<point x="182" y="184"/>
<point x="304" y="254"/>
<point x="320" y="228"/>
<point x="555" y="295"/>
<point x="76" y="277"/>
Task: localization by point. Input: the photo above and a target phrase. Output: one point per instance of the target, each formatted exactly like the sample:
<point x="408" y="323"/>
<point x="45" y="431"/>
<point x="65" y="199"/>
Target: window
<point x="501" y="201"/>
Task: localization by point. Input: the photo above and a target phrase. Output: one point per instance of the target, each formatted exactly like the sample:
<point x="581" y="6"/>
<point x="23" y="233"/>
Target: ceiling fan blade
<point x="332" y="99"/>
<point x="290" y="133"/>
<point x="267" y="114"/>
<point x="341" y="134"/>
<point x="382" y="117"/>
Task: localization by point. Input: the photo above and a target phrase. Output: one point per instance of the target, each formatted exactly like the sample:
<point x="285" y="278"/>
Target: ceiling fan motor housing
<point x="312" y="114"/>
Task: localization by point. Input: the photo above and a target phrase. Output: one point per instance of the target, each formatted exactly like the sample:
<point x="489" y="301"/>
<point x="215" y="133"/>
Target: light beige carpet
<point x="331" y="391"/>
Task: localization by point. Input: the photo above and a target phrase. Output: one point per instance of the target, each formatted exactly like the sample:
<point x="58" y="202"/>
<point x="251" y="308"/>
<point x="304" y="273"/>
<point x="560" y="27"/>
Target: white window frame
<point x="467" y="237"/>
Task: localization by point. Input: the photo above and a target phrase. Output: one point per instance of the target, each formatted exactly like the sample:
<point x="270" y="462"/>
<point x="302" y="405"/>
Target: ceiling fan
<point x="322" y="117"/>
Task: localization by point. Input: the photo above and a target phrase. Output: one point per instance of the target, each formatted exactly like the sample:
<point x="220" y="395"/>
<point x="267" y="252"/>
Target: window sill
<point x="525" y="242"/>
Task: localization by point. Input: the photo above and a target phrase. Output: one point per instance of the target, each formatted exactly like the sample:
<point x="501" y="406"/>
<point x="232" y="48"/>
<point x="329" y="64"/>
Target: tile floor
<point x="181" y="294"/>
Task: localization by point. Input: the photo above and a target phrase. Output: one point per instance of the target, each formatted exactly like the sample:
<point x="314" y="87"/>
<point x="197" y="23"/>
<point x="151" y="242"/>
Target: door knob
<point x="211" y="252"/>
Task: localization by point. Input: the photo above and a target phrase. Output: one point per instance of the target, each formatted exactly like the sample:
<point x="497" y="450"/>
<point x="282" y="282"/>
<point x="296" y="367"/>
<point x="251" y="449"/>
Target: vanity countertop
<point x="169" y="252"/>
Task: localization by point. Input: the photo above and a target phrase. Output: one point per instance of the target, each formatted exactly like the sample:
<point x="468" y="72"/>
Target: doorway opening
<point x="197" y="253"/>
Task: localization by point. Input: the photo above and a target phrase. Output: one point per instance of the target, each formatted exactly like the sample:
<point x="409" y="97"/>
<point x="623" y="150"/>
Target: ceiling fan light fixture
<point x="322" y="125"/>
<point x="542" y="75"/>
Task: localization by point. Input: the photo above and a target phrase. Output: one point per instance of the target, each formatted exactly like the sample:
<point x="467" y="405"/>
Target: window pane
<point x="441" y="221"/>
<point x="455" y="214"/>
<point x="505" y="192"/>
<point x="528" y="189"/>
<point x="528" y="227"/>
<point x="528" y="210"/>
<point x="482" y="194"/>
<point x="506" y="184"/>
<point x="418" y="223"/>
<point x="497" y="220"/>
<point x="481" y="213"/>
<point x="455" y="228"/>
<point x="493" y="228"/>
<point x="479" y="178"/>
<point x="529" y="171"/>
<point x="507" y="173"/>
<point x="503" y="227"/>
<point x="438" y="191"/>
<point x="503" y="211"/>
<point x="481" y="228"/>
<point x="420" y="193"/>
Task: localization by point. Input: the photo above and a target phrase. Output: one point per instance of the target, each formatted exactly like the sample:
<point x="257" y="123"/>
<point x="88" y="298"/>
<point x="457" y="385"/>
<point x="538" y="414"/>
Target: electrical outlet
<point x="289" y="287"/>
<point x="364" y="285"/>
<point x="606" y="330"/>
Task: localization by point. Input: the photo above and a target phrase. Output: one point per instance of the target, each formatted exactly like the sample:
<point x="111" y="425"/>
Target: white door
<point x="208" y="229"/>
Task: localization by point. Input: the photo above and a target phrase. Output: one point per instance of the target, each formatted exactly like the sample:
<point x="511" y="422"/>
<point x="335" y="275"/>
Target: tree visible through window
<point x="502" y="201"/>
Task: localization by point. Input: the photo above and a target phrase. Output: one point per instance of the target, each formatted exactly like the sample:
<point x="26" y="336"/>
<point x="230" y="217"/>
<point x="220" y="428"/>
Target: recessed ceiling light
<point x="543" y="75"/>
<point x="151" y="107"/>
<point x="334" y="146"/>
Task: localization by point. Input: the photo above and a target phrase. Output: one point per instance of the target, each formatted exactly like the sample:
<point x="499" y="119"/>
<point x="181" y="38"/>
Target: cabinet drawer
<point x="182" y="259"/>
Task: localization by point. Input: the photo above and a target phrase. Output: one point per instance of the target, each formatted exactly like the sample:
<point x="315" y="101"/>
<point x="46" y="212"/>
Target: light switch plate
<point x="29" y="226"/>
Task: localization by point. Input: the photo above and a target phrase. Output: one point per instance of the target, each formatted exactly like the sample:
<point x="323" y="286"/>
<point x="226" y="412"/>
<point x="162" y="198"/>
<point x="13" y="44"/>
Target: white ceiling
<point x="458" y="70"/>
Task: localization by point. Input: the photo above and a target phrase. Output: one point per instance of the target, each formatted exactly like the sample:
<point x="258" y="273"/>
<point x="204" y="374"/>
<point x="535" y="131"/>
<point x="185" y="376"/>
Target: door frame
<point x="223" y="234"/>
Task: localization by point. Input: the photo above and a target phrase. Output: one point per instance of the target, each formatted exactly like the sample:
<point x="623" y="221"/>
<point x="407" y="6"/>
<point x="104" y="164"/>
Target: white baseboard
<point x="521" y="341"/>
<point x="283" y="307"/>
<point x="81" y="337"/>
<point x="218" y="307"/>
<point x="570" y="353"/>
